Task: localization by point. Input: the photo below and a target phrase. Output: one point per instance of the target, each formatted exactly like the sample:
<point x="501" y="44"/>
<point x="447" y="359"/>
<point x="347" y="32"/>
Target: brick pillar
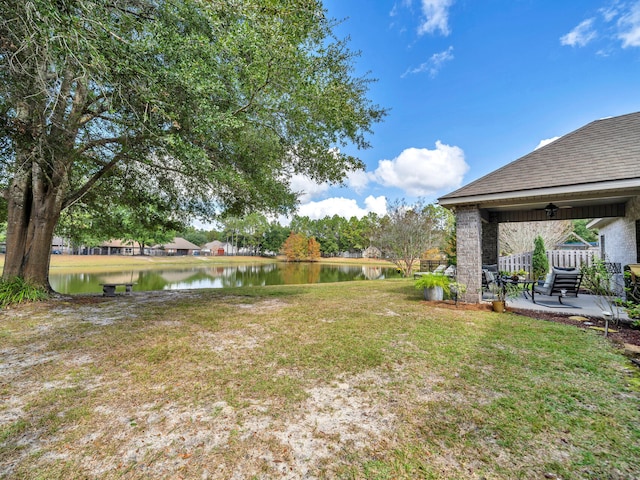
<point x="490" y="241"/>
<point x="469" y="251"/>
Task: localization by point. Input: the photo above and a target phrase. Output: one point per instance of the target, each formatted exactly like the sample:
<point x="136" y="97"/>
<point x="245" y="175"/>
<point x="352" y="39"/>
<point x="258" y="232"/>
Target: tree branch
<point x="82" y="191"/>
<point x="104" y="141"/>
<point x="256" y="91"/>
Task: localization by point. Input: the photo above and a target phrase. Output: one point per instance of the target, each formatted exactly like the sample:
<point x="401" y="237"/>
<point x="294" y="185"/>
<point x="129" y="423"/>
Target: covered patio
<point x="583" y="305"/>
<point x="590" y="173"/>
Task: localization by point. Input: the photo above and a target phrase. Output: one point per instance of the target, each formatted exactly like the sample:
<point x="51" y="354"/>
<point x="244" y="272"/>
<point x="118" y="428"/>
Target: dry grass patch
<point x="357" y="380"/>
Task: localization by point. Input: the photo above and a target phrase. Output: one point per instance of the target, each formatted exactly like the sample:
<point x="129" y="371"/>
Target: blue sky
<point x="472" y="85"/>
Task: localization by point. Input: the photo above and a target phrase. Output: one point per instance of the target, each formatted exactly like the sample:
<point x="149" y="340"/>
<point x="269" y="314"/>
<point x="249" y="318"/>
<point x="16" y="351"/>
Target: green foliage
<point x="16" y="290"/>
<point x="248" y="231"/>
<point x="601" y="282"/>
<point x="432" y="280"/>
<point x="505" y="291"/>
<point x="540" y="263"/>
<point x="450" y="247"/>
<point x="336" y="234"/>
<point x="633" y="310"/>
<point x="195" y="236"/>
<point x="191" y="107"/>
<point x="580" y="229"/>
<point x="274" y="237"/>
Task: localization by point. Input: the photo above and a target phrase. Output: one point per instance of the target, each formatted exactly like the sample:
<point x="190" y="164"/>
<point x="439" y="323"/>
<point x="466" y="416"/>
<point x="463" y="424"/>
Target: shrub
<point x="539" y="262"/>
<point x="17" y="290"/>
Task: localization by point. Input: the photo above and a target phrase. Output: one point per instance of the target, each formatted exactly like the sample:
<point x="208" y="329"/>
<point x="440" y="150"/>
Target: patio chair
<point x="563" y="283"/>
<point x="490" y="280"/>
<point x="632" y="282"/>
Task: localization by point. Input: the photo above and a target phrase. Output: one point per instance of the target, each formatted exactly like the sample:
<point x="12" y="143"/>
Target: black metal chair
<point x="562" y="283"/>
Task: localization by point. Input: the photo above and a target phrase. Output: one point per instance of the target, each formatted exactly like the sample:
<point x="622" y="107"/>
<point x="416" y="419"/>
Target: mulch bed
<point x="623" y="333"/>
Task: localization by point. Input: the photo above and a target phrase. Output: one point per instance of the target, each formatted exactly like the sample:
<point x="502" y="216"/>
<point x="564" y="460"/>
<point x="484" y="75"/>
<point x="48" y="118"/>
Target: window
<point x="602" y="249"/>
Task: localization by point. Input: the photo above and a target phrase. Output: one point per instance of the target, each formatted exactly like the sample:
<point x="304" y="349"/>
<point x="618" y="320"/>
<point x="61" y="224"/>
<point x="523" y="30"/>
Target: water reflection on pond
<point x="219" y="276"/>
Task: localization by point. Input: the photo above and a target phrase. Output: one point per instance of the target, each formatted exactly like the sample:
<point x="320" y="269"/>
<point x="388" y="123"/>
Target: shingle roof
<point x="180" y="243"/>
<point x="117" y="243"/>
<point x="603" y="150"/>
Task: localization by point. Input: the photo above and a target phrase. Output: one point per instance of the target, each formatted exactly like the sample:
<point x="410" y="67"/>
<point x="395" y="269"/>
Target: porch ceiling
<point x="604" y="199"/>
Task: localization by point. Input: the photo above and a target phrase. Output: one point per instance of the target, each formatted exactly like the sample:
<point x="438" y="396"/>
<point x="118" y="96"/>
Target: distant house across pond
<point x="178" y="247"/>
<point x="218" y="249"/>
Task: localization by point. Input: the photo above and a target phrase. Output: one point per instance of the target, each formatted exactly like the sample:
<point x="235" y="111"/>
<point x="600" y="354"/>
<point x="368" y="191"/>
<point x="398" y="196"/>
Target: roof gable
<point x="603" y="150"/>
<point x="180" y="243"/>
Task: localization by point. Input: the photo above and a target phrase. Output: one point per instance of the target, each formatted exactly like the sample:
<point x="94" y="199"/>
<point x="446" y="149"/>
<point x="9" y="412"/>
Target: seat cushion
<point x="488" y="275"/>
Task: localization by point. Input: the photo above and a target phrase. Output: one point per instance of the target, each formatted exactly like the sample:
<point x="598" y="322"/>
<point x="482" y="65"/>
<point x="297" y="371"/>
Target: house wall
<point x="620" y="240"/>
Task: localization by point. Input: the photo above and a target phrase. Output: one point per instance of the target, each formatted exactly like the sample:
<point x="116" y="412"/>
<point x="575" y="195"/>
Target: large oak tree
<point x="186" y="105"/>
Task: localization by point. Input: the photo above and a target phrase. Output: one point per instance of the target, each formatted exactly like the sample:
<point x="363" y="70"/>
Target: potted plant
<point x="433" y="286"/>
<point x="518" y="275"/>
<point x="501" y="292"/>
<point x="456" y="289"/>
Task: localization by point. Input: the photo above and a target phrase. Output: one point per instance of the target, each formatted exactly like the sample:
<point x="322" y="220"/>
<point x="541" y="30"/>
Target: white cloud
<point x="629" y="25"/>
<point x="377" y="205"/>
<point x="306" y="187"/>
<point x="420" y="171"/>
<point x="343" y="207"/>
<point x="609" y="13"/>
<point x="436" y="13"/>
<point x="546" y="141"/>
<point x="358" y="180"/>
<point x="581" y="35"/>
<point x="434" y="64"/>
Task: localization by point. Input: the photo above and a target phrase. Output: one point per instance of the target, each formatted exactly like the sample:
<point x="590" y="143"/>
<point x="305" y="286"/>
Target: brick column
<point x="490" y="241"/>
<point x="469" y="251"/>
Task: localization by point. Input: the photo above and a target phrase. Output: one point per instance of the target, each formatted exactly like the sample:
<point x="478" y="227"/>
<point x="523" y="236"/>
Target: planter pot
<point x="433" y="294"/>
<point x="498" y="306"/>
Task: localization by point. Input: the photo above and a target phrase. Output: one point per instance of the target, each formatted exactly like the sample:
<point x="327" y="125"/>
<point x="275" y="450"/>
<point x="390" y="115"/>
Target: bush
<point x="18" y="290"/>
<point x="539" y="262"/>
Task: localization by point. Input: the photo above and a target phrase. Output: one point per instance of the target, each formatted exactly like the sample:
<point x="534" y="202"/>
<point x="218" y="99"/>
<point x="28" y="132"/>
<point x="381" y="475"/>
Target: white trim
<point x="599" y="187"/>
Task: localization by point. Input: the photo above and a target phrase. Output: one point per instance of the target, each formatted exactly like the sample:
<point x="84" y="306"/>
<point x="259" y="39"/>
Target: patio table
<point x="526" y="284"/>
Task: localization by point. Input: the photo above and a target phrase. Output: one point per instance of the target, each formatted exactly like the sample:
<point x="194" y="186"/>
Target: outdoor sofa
<point x="561" y="282"/>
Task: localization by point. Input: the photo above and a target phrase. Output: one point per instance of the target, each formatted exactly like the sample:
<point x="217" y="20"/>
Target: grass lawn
<point x="349" y="380"/>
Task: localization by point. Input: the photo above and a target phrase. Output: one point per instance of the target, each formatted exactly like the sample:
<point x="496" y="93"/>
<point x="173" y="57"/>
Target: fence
<point x="431" y="265"/>
<point x="557" y="258"/>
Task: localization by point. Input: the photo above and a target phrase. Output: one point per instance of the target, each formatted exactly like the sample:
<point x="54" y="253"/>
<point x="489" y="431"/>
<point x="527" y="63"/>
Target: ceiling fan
<point x="552" y="210"/>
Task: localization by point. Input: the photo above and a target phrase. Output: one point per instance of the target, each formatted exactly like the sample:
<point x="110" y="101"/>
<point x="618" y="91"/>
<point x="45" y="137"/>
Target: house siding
<point x="621" y="242"/>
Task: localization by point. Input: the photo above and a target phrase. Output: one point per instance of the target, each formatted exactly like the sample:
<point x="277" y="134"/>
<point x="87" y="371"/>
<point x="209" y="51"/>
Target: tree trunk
<point x="33" y="210"/>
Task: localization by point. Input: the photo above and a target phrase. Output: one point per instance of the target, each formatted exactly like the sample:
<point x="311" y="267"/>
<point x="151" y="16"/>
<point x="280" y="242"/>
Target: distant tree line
<point x="402" y="236"/>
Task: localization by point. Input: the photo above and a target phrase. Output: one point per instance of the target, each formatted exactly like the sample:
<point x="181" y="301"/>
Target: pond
<point x="226" y="276"/>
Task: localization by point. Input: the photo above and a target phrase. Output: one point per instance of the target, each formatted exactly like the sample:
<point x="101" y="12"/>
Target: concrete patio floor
<point x="583" y="305"/>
